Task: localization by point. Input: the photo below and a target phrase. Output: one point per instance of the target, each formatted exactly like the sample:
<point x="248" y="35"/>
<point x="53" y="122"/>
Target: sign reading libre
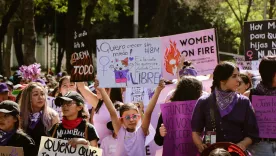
<point x="80" y="59"/>
<point x="265" y="109"/>
<point x="11" y="151"/>
<point x="58" y="147"/>
<point x="177" y="120"/>
<point x="259" y="39"/>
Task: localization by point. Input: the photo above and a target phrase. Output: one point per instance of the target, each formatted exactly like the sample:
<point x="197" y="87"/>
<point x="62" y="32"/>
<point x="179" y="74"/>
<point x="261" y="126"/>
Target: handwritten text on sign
<point x="199" y="47"/>
<point x="177" y="120"/>
<point x="259" y="39"/>
<point x="129" y="62"/>
<point x="265" y="109"/>
<point x="80" y="59"/>
<point x="57" y="147"/>
<point x="11" y="151"/>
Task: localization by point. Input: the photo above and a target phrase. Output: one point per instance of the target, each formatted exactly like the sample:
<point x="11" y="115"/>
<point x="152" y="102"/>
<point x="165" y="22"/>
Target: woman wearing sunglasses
<point x="131" y="137"/>
<point x="74" y="127"/>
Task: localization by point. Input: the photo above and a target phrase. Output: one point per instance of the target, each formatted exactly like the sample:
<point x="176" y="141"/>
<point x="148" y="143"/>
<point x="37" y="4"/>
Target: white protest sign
<point x="137" y="94"/>
<point x="129" y="62"/>
<point x="57" y="147"/>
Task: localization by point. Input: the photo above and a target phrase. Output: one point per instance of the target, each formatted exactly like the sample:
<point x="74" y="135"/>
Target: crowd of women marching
<point x="99" y="117"/>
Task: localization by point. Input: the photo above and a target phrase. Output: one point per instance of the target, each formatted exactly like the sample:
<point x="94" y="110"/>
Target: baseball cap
<point x="9" y="107"/>
<point x="3" y="87"/>
<point x="70" y="96"/>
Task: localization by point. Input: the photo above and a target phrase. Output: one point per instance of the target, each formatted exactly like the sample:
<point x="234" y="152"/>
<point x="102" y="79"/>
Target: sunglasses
<point x="133" y="116"/>
<point x="68" y="104"/>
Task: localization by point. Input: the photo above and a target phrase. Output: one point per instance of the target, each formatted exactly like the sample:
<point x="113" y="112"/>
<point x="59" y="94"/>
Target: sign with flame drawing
<point x="129" y="62"/>
<point x="199" y="47"/>
<point x="81" y="60"/>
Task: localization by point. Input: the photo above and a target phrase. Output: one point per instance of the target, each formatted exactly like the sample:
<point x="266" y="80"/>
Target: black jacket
<point x="20" y="139"/>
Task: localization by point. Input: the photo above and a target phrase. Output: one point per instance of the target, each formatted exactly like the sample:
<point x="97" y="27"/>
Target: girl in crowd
<point x="188" y="88"/>
<point x="37" y="117"/>
<point x="100" y="117"/>
<point x="224" y="113"/>
<point x="74" y="127"/>
<point x="65" y="85"/>
<point x="10" y="132"/>
<point x="267" y="87"/>
<point x="245" y="83"/>
<point x="131" y="139"/>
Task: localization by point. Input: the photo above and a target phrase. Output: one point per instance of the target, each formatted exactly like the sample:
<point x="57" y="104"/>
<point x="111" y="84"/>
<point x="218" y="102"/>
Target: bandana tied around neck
<point x="34" y="119"/>
<point x="71" y="124"/>
<point x="5" y="136"/>
<point x="225" y="101"/>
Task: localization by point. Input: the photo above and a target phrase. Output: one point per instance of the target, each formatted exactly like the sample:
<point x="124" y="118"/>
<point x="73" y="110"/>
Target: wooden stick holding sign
<point x="11" y="151"/>
<point x="59" y="147"/>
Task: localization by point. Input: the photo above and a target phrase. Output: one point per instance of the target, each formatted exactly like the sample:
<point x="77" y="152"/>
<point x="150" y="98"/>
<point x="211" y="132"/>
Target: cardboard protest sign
<point x="137" y="94"/>
<point x="199" y="47"/>
<point x="80" y="59"/>
<point x="259" y="39"/>
<point x="11" y="151"/>
<point x="57" y="147"/>
<point x="129" y="62"/>
<point x="177" y="120"/>
<point x="265" y="109"/>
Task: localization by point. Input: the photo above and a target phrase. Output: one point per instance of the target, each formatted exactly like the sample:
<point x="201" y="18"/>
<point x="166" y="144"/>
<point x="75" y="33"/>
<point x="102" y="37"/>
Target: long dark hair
<point x="188" y="88"/>
<point x="115" y="95"/>
<point x="222" y="72"/>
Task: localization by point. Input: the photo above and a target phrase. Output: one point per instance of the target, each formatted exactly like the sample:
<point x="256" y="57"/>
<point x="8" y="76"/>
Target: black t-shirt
<point x="20" y="139"/>
<point x="78" y="132"/>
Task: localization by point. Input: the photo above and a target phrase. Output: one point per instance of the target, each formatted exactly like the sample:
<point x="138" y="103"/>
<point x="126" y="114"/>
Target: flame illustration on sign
<point x="172" y="57"/>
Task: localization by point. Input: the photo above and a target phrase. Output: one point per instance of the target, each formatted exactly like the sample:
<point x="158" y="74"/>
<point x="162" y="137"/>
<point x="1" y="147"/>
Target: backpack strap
<point x="55" y="130"/>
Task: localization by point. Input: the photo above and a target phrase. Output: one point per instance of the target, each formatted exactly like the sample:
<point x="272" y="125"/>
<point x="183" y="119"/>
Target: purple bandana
<point x="5" y="136"/>
<point x="34" y="119"/>
<point x="225" y="101"/>
<point x="264" y="90"/>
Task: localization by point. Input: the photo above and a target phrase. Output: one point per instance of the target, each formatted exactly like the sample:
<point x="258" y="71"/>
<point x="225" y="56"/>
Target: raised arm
<point x="112" y="111"/>
<point x="151" y="105"/>
<point x="90" y="97"/>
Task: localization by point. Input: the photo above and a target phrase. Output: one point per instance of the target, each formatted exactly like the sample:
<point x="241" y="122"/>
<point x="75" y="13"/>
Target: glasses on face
<point x="4" y="117"/>
<point x="68" y="104"/>
<point x="133" y="116"/>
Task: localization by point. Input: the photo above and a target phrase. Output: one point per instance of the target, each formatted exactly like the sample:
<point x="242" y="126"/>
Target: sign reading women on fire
<point x="81" y="61"/>
<point x="199" y="47"/>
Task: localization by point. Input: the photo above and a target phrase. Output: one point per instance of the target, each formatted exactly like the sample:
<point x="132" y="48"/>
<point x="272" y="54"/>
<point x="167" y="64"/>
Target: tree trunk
<point x="60" y="57"/>
<point x="72" y="19"/>
<point x="6" y="19"/>
<point x="29" y="39"/>
<point x="7" y="54"/>
<point x="157" y="23"/>
<point x="17" y="41"/>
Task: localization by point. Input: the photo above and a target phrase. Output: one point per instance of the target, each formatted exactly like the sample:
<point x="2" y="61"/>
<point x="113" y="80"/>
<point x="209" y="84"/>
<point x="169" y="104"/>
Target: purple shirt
<point x="130" y="144"/>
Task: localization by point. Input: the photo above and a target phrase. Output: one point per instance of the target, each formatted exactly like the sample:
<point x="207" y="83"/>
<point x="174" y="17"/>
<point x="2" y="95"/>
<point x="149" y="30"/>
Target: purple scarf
<point x="187" y="71"/>
<point x="264" y="90"/>
<point x="225" y="101"/>
<point x="5" y="136"/>
<point x="34" y="119"/>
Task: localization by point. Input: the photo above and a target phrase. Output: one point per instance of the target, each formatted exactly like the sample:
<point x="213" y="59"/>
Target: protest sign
<point x="129" y="62"/>
<point x="80" y="59"/>
<point x="57" y="147"/>
<point x="199" y="47"/>
<point x="11" y="151"/>
<point x="259" y="39"/>
<point x="137" y="94"/>
<point x="265" y="109"/>
<point x="177" y="120"/>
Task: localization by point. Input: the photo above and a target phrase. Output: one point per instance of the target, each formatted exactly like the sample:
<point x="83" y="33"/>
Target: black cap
<point x="70" y="96"/>
<point x="9" y="107"/>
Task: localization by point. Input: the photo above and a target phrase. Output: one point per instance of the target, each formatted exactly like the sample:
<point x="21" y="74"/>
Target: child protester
<point x="74" y="127"/>
<point x="10" y="132"/>
<point x="131" y="137"/>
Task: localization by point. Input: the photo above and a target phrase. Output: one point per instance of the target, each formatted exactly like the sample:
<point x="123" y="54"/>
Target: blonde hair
<point x="48" y="113"/>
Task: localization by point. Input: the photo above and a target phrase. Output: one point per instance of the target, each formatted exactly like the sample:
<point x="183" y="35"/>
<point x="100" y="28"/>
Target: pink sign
<point x="265" y="109"/>
<point x="177" y="118"/>
<point x="199" y="47"/>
